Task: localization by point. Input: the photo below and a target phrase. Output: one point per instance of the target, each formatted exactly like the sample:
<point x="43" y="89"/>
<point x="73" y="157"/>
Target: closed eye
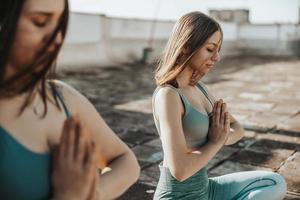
<point x="40" y="24"/>
<point x="210" y="50"/>
<point x="40" y="19"/>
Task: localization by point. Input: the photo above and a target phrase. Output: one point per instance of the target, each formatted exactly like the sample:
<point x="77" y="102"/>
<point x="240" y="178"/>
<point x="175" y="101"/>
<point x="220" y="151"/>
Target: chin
<point x="206" y="71"/>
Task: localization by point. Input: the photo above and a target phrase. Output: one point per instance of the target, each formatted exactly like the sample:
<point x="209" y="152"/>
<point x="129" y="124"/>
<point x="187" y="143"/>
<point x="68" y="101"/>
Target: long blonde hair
<point x="189" y="34"/>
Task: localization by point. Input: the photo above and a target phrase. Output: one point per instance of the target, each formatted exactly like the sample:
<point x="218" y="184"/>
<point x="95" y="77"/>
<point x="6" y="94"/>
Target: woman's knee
<point x="280" y="183"/>
<point x="273" y="179"/>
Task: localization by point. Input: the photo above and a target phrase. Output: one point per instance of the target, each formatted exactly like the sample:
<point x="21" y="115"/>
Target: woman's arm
<point x="180" y="160"/>
<point x="121" y="167"/>
<point x="236" y="132"/>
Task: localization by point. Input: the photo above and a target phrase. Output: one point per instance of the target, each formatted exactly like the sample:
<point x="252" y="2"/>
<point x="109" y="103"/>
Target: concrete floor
<point x="262" y="92"/>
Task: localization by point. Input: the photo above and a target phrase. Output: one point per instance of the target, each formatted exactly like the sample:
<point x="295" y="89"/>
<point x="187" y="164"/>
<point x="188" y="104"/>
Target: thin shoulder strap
<point x="184" y="102"/>
<point x="182" y="97"/>
<point x="205" y="93"/>
<point x="62" y="101"/>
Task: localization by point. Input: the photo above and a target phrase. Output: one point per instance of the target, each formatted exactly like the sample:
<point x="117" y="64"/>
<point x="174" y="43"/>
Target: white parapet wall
<point x="98" y="40"/>
<point x="269" y="39"/>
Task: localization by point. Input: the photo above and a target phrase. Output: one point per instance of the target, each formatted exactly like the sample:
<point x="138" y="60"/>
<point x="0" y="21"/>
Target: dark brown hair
<point x="43" y="67"/>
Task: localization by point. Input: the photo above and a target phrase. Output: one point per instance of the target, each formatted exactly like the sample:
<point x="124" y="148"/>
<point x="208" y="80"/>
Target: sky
<point x="261" y="11"/>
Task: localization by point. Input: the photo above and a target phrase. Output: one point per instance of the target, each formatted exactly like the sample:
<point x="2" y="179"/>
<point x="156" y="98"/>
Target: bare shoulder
<point x="65" y="88"/>
<point x="73" y="98"/>
<point x="168" y="100"/>
<point x="167" y="94"/>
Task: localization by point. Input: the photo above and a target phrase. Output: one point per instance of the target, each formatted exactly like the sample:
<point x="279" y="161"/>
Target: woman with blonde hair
<point x="193" y="125"/>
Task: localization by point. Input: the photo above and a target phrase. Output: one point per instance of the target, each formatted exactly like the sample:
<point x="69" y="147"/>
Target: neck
<point x="10" y="94"/>
<point x="183" y="78"/>
<point x="10" y="91"/>
<point x="18" y="97"/>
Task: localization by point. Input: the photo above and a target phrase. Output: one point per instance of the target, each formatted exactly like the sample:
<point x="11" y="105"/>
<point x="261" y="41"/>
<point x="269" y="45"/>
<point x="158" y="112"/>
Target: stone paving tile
<point x="150" y="175"/>
<point x="223" y="154"/>
<point x="144" y="164"/>
<point x="292" y="197"/>
<point x="289" y="98"/>
<point x="123" y="122"/>
<point x="250" y="134"/>
<point x="281" y="138"/>
<point x="251" y="106"/>
<point x="270" y="159"/>
<point x="267" y="145"/>
<point x="291" y="93"/>
<point x="136" y="137"/>
<point x="251" y="96"/>
<point x="148" y="154"/>
<point x="219" y="92"/>
<point x="129" y="144"/>
<point x="243" y="143"/>
<point x="291" y="172"/>
<point x="253" y="127"/>
<point x="143" y="105"/>
<point x="226" y="152"/>
<point x="154" y="143"/>
<point x="231" y="167"/>
<point x="287" y="108"/>
<point x="139" y="192"/>
<point x="266" y="120"/>
<point x="283" y="85"/>
<point x="262" y="89"/>
<point x="274" y="98"/>
<point x="240" y="115"/>
<point x="258" y="121"/>
<point x="291" y="124"/>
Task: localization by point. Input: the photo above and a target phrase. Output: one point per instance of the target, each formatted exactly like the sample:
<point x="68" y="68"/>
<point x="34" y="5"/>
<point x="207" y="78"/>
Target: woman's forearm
<point x="124" y="172"/>
<point x="236" y="133"/>
<point x="191" y="162"/>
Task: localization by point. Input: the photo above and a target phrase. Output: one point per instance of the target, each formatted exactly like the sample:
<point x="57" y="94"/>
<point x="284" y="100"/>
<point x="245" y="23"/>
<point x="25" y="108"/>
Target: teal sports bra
<point x="194" y="123"/>
<point x="24" y="174"/>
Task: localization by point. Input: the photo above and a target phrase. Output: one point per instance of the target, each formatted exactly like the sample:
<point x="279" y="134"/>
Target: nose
<point x="216" y="57"/>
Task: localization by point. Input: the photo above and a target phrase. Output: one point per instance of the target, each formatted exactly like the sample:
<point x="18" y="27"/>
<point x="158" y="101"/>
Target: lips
<point x="209" y="65"/>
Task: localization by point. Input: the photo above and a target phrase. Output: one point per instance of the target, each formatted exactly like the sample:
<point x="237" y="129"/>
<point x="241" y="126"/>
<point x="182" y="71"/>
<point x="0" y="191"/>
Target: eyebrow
<point x="48" y="14"/>
<point x="212" y="43"/>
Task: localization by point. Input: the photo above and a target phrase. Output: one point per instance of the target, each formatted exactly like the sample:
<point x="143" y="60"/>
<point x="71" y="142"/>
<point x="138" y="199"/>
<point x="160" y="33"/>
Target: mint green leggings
<point x="255" y="185"/>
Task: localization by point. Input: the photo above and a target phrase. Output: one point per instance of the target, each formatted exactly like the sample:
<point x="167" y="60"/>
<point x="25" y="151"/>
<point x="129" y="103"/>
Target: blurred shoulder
<point x="73" y="98"/>
<point x="166" y="93"/>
